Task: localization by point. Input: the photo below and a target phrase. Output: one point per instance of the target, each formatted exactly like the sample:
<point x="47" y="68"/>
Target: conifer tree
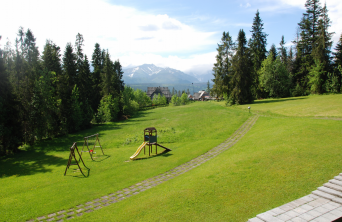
<point x="222" y="68"/>
<point x="241" y="81"/>
<point x="257" y="46"/>
<point x="107" y="76"/>
<point x="282" y="51"/>
<point x="322" y="47"/>
<point x="338" y="53"/>
<point x="273" y="52"/>
<point x="84" y="81"/>
<point x="97" y="63"/>
<point x="10" y="127"/>
<point x="309" y="34"/>
<point x="68" y="82"/>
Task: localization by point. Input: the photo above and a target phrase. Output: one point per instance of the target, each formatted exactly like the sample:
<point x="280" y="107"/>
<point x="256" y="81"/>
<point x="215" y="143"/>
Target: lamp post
<point x="249" y="109"/>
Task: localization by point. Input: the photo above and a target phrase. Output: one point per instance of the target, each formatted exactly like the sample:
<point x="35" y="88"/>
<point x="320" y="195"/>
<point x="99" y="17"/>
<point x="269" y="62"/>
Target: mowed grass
<point x="33" y="184"/>
<point x="279" y="160"/>
<point x="308" y="106"/>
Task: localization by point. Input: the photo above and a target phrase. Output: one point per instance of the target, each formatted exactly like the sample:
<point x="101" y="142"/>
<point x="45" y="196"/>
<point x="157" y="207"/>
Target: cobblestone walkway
<point x="322" y="205"/>
<point x="112" y="198"/>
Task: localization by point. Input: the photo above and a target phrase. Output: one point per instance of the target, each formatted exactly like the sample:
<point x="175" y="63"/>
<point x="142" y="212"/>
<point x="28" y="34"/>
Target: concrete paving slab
<point x="268" y="218"/>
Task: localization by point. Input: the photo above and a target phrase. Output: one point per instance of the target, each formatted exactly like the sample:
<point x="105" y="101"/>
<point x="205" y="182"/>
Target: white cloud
<point x="247" y="5"/>
<point x="121" y="30"/>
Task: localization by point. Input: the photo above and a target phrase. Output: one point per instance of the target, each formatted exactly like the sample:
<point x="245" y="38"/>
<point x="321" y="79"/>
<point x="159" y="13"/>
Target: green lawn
<point x="278" y="160"/>
<point x="312" y="106"/>
<point x="288" y="153"/>
<point x="33" y="183"/>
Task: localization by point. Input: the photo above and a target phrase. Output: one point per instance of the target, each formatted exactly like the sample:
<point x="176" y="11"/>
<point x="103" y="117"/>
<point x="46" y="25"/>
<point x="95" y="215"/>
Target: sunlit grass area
<point x="278" y="160"/>
<point x="284" y="156"/>
<point x="34" y="184"/>
<point x="316" y="105"/>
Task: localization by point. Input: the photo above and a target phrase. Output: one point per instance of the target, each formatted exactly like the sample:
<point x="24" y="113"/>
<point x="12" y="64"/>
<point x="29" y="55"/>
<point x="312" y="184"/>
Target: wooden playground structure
<point x="73" y="156"/>
<point x="88" y="140"/>
<point x="150" y="139"/>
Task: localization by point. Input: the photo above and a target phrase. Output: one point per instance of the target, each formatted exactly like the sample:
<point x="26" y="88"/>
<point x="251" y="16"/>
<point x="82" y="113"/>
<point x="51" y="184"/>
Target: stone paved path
<point x="322" y="205"/>
<point x="109" y="199"/>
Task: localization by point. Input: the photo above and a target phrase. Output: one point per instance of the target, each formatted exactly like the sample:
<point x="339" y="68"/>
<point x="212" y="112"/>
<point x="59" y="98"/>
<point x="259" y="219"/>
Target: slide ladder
<point x="138" y="151"/>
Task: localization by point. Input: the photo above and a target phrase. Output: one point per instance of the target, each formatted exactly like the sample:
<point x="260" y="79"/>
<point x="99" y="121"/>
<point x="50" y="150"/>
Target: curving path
<point x="112" y="198"/>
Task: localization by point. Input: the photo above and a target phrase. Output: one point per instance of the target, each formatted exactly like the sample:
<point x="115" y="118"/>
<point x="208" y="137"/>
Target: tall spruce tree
<point x="257" y="46"/>
<point x="309" y="34"/>
<point x="242" y="80"/>
<point x="222" y="68"/>
<point x="10" y="127"/>
<point x="84" y="81"/>
<point x="68" y="81"/>
<point x="107" y="76"/>
<point x="338" y="53"/>
<point x="282" y="51"/>
<point x="273" y="52"/>
<point x="97" y="63"/>
<point x="322" y="48"/>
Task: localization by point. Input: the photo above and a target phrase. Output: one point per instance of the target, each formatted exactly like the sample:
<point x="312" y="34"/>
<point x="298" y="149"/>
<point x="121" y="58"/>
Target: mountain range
<point x="149" y="73"/>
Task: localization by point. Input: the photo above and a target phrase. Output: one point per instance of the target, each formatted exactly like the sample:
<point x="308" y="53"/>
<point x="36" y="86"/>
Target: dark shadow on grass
<point x="100" y="158"/>
<point x="63" y="143"/>
<point x="77" y="173"/>
<point x="277" y="100"/>
<point x="29" y="163"/>
<point x="162" y="154"/>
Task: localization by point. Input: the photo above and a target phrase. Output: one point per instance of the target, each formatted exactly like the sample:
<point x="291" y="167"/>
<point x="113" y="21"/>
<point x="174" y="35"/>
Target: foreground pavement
<point x="322" y="205"/>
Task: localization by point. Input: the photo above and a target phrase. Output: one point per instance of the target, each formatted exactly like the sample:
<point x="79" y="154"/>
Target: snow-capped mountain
<point x="149" y="73"/>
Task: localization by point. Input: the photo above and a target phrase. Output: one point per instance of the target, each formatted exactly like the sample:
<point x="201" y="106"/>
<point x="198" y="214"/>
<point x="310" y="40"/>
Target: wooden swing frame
<point x="86" y="143"/>
<point x="73" y="156"/>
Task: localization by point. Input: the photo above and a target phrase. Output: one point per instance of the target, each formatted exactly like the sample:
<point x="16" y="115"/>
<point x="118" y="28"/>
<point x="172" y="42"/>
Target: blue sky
<point x="177" y="34"/>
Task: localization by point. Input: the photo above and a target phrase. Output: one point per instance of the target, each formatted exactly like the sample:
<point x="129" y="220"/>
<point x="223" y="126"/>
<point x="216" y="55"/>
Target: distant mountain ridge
<point x="149" y="73"/>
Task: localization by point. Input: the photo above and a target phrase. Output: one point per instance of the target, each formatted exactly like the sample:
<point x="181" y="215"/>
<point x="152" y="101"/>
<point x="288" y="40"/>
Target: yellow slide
<point x="138" y="151"/>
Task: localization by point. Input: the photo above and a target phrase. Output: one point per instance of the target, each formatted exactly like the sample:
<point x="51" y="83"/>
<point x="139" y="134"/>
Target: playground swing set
<point x="150" y="139"/>
<point x="73" y="156"/>
<point x="88" y="140"/>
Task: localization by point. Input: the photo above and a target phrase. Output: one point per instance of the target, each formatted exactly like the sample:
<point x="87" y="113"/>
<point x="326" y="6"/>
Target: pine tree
<point x="107" y="76"/>
<point x="51" y="63"/>
<point x="282" y="51"/>
<point x="257" y="46"/>
<point x="273" y="52"/>
<point x="10" y="127"/>
<point x="241" y="81"/>
<point x="222" y="68"/>
<point x="118" y="82"/>
<point x="84" y="81"/>
<point x="67" y="83"/>
<point x="322" y="48"/>
<point x="338" y="53"/>
<point x="208" y="87"/>
<point x="309" y="34"/>
<point x="97" y="63"/>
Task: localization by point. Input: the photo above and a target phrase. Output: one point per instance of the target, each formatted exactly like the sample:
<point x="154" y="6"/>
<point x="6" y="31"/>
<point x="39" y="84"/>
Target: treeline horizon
<point x="44" y="95"/>
<point x="245" y="70"/>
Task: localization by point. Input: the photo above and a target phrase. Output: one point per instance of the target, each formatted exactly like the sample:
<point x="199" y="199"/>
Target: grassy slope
<point x="33" y="183"/>
<point x="317" y="105"/>
<point x="279" y="160"/>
